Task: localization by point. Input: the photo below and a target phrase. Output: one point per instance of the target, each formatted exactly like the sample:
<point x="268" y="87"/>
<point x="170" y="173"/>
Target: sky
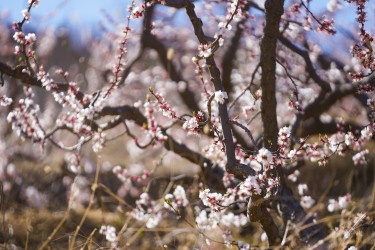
<point x="56" y="12"/>
<point x="85" y="16"/>
<point x="77" y="15"/>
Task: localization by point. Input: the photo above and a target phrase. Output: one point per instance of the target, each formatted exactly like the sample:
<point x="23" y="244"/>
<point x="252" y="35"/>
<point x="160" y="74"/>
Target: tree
<point x="254" y="119"/>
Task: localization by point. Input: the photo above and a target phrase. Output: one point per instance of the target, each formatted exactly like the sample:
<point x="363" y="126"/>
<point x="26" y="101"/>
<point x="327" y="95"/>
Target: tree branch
<point x="274" y="10"/>
<point x="232" y="166"/>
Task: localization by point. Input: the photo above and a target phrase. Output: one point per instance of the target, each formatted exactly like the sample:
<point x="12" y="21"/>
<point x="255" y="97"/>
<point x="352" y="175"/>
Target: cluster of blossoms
<point x="147" y="211"/>
<point x="236" y="10"/>
<point x="80" y="109"/>
<point x="137" y="12"/>
<point x="363" y="51"/>
<point x="164" y="106"/>
<point x="339" y="204"/>
<point x="73" y="161"/>
<point x="153" y="128"/>
<point x="359" y="158"/>
<point x="283" y="140"/>
<point x="176" y="200"/>
<point x="5" y="101"/>
<point x="27" y="40"/>
<point x="338" y="143"/>
<point x="98" y="141"/>
<point x="218" y="204"/>
<point x="325" y="25"/>
<point x="206" y="221"/>
<point x="192" y="125"/>
<point x="216" y="152"/>
<point x="109" y="232"/>
<point x="250" y="186"/>
<point x="124" y="175"/>
<point x="24" y="118"/>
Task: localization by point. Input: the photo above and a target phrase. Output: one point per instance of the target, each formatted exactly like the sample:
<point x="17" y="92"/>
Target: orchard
<point x="186" y="124"/>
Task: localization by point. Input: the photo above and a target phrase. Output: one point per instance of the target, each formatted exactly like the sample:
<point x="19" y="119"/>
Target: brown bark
<point x="274" y="10"/>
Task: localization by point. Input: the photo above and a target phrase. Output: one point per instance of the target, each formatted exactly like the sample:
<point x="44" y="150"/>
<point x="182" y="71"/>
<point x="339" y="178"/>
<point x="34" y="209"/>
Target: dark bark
<point x="287" y="205"/>
<point x="257" y="209"/>
<point x="274" y="10"/>
<point x="238" y="170"/>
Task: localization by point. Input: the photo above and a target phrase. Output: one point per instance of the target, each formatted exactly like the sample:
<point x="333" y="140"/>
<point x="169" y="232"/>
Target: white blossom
<point x="307" y="201"/>
<point x="264" y="156"/>
<point x="5" y="101"/>
<point x="220" y="96"/>
<point x="109" y="232"/>
<point x="26" y="15"/>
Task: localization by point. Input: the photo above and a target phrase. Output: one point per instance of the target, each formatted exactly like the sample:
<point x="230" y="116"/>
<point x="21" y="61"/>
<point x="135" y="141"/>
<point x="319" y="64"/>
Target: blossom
<point x="250" y="186"/>
<point x="302" y="188"/>
<point x="307" y="201"/>
<point x="26" y="15"/>
<point x="109" y="232"/>
<point x="332" y="5"/>
<point x="98" y="142"/>
<point x="19" y="36"/>
<point x="366" y="133"/>
<point x="243" y="246"/>
<point x="264" y="156"/>
<point x="17" y="50"/>
<point x="220" y="96"/>
<point x="221" y="41"/>
<point x="341" y="203"/>
<point x="230" y="219"/>
<point x="30" y="38"/>
<point x="34" y="2"/>
<point x="177" y="199"/>
<point x="5" y="101"/>
<point x="202" y="220"/>
<point x="359" y="158"/>
<point x="204" y="50"/>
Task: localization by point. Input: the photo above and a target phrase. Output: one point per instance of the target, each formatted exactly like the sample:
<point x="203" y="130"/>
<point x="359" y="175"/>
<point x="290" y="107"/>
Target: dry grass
<point x="31" y="226"/>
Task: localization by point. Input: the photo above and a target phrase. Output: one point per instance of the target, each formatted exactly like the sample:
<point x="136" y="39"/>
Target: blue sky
<point x="78" y="15"/>
<point x="55" y="12"/>
<point x="85" y="15"/>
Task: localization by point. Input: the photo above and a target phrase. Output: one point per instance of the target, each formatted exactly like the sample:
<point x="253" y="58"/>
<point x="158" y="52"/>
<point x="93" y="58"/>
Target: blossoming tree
<point x="245" y="95"/>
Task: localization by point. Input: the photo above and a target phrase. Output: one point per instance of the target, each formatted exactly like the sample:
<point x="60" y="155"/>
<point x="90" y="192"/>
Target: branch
<point x="309" y="65"/>
<point x="212" y="173"/>
<point x="17" y="73"/>
<point x="268" y="65"/>
<point x="274" y="10"/>
<point x="232" y="166"/>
